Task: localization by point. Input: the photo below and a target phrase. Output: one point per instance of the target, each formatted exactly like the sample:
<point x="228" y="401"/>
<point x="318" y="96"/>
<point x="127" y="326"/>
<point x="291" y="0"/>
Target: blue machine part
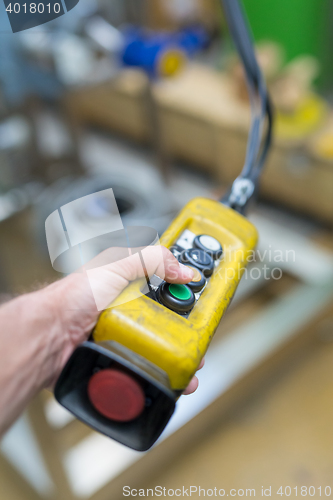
<point x="161" y="53"/>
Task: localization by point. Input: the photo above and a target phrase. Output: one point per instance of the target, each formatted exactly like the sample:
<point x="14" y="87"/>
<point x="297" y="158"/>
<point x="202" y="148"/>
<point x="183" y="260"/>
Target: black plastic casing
<point x="71" y="392"/>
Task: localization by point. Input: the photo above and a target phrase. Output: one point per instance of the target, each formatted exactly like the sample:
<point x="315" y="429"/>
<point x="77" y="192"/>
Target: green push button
<point x="178" y="298"/>
<point x="180" y="292"/>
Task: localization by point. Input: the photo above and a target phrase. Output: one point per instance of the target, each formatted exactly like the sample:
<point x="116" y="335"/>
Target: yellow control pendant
<point x="174" y="343"/>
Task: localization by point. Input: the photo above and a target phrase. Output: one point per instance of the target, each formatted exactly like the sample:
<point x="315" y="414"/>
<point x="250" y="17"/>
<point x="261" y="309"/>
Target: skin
<point x="40" y="330"/>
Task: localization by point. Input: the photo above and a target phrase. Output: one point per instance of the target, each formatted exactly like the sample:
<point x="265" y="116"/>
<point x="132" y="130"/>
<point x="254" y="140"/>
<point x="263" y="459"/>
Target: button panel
<point x="202" y="253"/>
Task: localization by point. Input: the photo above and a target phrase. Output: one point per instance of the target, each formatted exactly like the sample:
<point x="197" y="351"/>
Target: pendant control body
<point x="144" y="351"/>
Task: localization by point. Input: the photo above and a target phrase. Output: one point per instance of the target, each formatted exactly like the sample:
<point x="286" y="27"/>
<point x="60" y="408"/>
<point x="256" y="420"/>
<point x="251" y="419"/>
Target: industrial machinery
<point x="146" y="347"/>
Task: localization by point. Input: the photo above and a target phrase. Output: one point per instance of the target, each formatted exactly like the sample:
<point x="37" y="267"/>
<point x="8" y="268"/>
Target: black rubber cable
<point x="261" y="110"/>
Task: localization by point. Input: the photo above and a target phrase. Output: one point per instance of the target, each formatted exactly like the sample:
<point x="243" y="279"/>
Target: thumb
<point x="151" y="260"/>
<point x="107" y="281"/>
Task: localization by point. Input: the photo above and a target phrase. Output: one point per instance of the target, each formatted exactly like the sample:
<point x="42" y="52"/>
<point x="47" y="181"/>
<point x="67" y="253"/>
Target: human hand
<point x="101" y="281"/>
<point x="40" y="330"/>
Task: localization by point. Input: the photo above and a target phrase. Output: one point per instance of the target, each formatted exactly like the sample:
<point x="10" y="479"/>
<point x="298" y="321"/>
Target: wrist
<point x="50" y="338"/>
<point x="31" y="345"/>
<point x="39" y="331"/>
<point x="75" y="314"/>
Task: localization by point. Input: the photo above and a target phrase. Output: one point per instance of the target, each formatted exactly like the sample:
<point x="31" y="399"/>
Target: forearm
<point x="34" y="344"/>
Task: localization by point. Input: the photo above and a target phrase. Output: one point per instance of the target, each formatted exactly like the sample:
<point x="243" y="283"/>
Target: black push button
<point x="198" y="281"/>
<point x="176" y="250"/>
<point x="179" y="298"/>
<point x="200" y="259"/>
<point x="209" y="245"/>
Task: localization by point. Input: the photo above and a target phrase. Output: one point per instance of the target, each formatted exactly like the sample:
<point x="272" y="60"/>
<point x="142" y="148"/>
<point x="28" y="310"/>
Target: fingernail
<point x="188" y="272"/>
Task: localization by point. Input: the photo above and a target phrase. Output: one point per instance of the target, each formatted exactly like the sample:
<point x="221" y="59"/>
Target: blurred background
<point x="148" y="97"/>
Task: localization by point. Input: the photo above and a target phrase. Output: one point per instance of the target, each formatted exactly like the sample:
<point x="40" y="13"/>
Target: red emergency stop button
<point x="116" y="395"/>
